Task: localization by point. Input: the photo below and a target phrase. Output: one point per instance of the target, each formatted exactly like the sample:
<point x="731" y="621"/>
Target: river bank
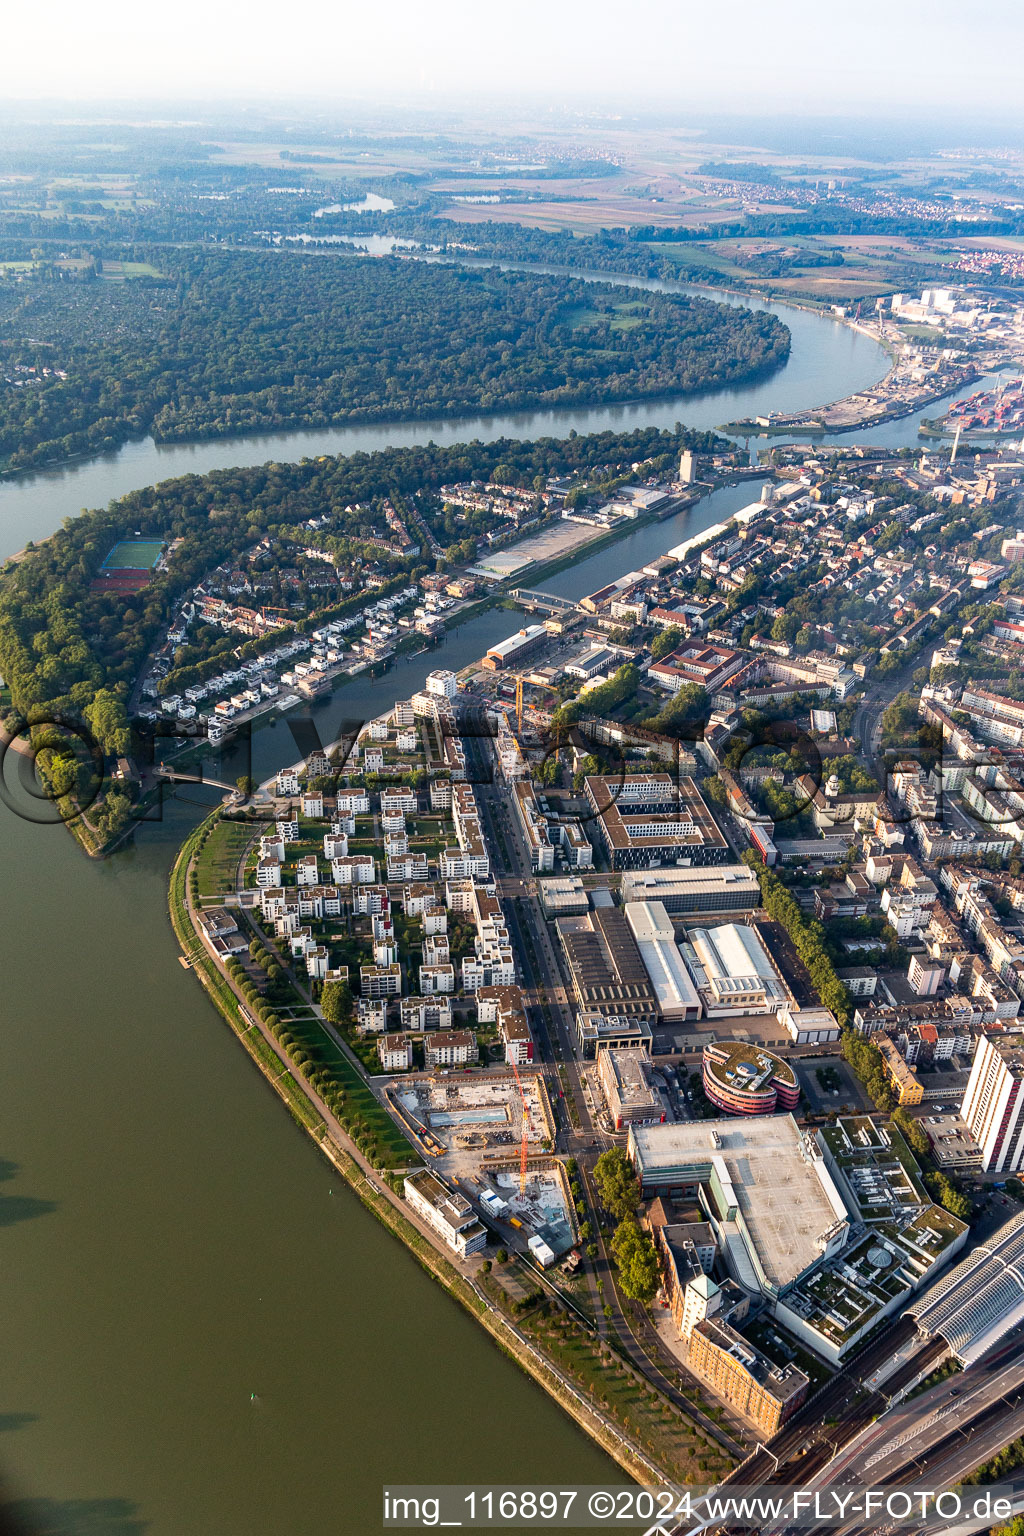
<point x="171" y="1242"/>
<point x="313" y="1114"/>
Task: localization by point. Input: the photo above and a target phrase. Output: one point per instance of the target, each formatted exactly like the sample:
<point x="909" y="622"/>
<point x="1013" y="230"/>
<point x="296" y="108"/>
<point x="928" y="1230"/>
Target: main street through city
<point x="551" y="1020"/>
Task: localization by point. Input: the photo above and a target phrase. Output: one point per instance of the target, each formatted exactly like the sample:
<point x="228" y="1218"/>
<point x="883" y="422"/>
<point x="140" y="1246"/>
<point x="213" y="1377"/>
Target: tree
<point x="336" y="1002"/>
<point x="666" y="642"/>
<point x="107" y="719"/>
<point x="616" y="1183"/>
<point x="634" y="1253"/>
<point x="245" y="784"/>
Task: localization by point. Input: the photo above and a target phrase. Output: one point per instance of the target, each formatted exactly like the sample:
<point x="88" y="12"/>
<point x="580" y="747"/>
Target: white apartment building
<point x="392" y="800"/>
<point x="355" y="869"/>
<point x="395" y="1053"/>
<point x="448" y="1213"/>
<point x="353" y="802"/>
<point x="268" y="873"/>
<point x="437" y="978"/>
<point x="993" y="1106"/>
<point x="307" y="871"/>
<point x="442" y="684"/>
<point x="450" y="1048"/>
<point x="380" y="980"/>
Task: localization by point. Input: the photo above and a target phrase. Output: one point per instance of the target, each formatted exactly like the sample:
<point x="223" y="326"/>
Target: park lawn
<point x="218" y="861"/>
<point x="311" y="1035"/>
<point x="621" y="317"/>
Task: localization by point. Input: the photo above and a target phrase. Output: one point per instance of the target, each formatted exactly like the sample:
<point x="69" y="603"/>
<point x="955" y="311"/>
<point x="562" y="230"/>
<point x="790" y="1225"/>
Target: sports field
<point x="133" y="555"/>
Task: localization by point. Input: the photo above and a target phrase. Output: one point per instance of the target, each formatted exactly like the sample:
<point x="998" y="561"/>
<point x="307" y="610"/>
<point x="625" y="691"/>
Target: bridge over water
<point x="545" y="600"/>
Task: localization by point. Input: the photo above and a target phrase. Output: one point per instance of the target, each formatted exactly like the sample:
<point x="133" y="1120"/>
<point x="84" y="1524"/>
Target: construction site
<point x="491" y="1136"/>
<point x="458" y="1120"/>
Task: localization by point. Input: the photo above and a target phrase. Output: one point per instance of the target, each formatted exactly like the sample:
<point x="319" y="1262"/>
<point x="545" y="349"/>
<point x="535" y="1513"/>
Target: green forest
<point x="226" y="343"/>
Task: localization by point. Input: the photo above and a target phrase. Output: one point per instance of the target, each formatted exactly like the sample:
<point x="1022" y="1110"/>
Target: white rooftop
<point x="652" y="928"/>
<point x="787" y="1204"/>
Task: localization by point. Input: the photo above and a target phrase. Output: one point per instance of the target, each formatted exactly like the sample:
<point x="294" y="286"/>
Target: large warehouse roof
<point x="655" y="937"/>
<point x="789" y="1209"/>
<point x="727" y="887"/>
<point x="980" y="1299"/>
<point x="733" y="952"/>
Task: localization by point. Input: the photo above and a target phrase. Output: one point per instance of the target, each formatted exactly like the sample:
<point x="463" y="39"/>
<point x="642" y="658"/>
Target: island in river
<point x="217" y="344"/>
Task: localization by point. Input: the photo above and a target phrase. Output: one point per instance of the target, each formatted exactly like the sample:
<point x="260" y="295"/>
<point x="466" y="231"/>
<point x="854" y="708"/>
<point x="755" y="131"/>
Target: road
<point x="551" y="1017"/>
<point x="906" y="1434"/>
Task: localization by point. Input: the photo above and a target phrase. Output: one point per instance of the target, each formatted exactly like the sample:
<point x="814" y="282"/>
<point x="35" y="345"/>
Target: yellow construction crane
<point x="519" y="703"/>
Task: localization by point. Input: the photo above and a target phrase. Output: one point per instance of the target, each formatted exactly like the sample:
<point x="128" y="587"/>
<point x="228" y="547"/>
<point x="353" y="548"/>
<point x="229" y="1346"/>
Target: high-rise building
<point x="993" y="1106"/>
<point x="687" y="467"/>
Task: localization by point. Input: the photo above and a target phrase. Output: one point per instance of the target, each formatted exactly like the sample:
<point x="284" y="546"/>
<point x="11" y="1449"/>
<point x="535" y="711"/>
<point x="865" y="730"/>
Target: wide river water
<point x="170" y="1243"/>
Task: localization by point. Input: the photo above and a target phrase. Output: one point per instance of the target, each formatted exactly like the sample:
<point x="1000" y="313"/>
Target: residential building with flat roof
<point x="993" y="1105"/>
<point x="449" y="1213"/>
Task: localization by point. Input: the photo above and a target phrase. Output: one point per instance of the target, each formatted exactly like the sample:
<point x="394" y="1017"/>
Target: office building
<point x="742" y="1079"/>
<point x="508" y="653"/>
<point x="763" y="1392"/>
<point x="606" y="1032"/>
<point x="627" y="1089"/>
<point x="653" y="819"/>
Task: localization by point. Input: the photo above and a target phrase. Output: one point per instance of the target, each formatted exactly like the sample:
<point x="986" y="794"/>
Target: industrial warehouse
<point x="644" y="968"/>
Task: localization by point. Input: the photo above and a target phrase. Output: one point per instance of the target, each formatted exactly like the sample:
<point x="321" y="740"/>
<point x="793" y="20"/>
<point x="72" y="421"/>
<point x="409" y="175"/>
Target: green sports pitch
<point x="133" y="555"/>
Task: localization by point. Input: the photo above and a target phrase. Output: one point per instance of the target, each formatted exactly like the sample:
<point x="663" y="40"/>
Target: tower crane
<point x="523" y="1144"/>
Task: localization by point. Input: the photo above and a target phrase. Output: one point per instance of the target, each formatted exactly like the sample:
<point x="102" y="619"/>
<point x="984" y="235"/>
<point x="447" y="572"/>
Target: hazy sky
<point x="737" y="55"/>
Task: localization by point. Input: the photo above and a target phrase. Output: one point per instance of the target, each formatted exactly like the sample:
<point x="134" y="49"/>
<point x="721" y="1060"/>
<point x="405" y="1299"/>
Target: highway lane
<point x="930" y="1440"/>
<point x="906" y="1433"/>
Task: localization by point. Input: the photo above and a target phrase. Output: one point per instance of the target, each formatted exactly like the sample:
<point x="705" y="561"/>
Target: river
<point x="170" y="1243"/>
